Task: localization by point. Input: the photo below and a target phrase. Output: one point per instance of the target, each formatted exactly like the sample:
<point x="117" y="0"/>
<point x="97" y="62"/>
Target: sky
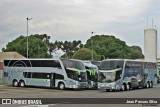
<point x="76" y="19"/>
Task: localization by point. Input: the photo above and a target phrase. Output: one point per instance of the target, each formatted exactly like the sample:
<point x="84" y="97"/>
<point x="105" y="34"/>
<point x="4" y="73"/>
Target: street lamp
<point x="92" y="43"/>
<point x="27" y="34"/>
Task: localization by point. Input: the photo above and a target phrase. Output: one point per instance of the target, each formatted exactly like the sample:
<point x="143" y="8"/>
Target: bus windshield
<point x="109" y="65"/>
<point x="106" y="77"/>
<point x="74" y="69"/>
<point x="83" y="77"/>
<point x="73" y="64"/>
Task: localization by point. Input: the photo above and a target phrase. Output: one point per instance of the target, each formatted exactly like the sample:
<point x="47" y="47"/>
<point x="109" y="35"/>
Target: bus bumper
<point x="82" y="85"/>
<point x="109" y="87"/>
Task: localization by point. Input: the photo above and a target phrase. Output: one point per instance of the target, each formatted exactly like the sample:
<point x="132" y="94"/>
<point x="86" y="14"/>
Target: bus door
<point x="52" y="81"/>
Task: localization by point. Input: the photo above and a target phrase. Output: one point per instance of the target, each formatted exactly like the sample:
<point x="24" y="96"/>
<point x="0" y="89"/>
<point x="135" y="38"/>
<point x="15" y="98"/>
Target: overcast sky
<point x="76" y="19"/>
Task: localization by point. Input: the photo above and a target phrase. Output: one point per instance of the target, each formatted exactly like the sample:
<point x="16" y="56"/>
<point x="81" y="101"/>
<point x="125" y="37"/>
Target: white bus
<point x="123" y="74"/>
<point x="59" y="73"/>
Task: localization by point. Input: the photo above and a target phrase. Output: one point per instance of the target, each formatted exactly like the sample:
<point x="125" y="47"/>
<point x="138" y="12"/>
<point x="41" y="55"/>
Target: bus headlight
<point x="113" y="87"/>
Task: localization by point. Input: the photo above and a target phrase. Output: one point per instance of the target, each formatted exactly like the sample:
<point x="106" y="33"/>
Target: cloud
<point x="68" y="19"/>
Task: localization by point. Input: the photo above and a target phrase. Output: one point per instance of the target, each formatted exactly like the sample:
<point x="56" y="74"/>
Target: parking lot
<point x="37" y="92"/>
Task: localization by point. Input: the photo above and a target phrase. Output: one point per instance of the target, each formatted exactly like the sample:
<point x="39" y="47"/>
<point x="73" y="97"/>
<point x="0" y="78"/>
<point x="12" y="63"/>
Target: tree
<point x="38" y="45"/>
<point x="85" y="54"/>
<point x="69" y="47"/>
<point x="112" y="47"/>
<point x="136" y="52"/>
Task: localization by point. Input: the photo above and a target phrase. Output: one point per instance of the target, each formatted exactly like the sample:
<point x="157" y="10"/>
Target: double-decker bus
<point x="123" y="74"/>
<point x="59" y="73"/>
<point x="92" y="75"/>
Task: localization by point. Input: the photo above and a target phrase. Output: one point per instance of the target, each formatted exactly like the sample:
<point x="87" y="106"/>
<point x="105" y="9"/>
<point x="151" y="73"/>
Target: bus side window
<point x="118" y="74"/>
<point x="27" y="74"/>
<point x="58" y="76"/>
<point x="5" y="74"/>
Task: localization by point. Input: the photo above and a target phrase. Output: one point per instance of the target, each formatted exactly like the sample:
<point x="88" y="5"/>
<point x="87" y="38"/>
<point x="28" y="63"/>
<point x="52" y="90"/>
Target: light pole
<point x="92" y="43"/>
<point x="27" y="34"/>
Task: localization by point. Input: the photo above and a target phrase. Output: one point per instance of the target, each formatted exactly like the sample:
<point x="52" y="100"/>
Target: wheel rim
<point x="61" y="86"/>
<point x="128" y="87"/>
<point x="22" y="84"/>
<point x="147" y="85"/>
<point x="151" y="84"/>
<point x="122" y="87"/>
<point x="15" y="83"/>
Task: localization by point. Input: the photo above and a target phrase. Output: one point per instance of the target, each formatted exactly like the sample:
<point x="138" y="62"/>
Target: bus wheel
<point x="123" y="87"/>
<point x="147" y="85"/>
<point x="151" y="84"/>
<point x="107" y="90"/>
<point x="15" y="83"/>
<point x="128" y="87"/>
<point x="61" y="86"/>
<point x="22" y="84"/>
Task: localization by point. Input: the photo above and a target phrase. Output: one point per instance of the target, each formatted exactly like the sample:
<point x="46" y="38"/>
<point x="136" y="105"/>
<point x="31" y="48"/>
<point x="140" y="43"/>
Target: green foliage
<point x="69" y="47"/>
<point x="85" y="54"/>
<point x="104" y="46"/>
<point x="112" y="47"/>
<point x="38" y="46"/>
<point x="136" y="52"/>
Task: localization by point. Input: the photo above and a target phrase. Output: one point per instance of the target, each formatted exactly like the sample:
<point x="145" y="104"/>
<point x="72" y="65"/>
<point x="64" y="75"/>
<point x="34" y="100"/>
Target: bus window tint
<point x="118" y="75"/>
<point x="59" y="76"/>
<point x="71" y="74"/>
<point x="79" y="65"/>
<point x="33" y="63"/>
<point x="73" y="64"/>
<point x="109" y="65"/>
<point x="5" y="74"/>
<point x="27" y="74"/>
<point x="133" y="69"/>
<point x="83" y="76"/>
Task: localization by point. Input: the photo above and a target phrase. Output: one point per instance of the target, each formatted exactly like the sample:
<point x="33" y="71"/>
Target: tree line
<point x="98" y="46"/>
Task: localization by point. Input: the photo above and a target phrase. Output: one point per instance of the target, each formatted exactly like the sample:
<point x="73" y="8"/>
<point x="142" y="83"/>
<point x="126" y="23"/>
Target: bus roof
<point x="139" y="60"/>
<point x="89" y="65"/>
<point x="42" y="59"/>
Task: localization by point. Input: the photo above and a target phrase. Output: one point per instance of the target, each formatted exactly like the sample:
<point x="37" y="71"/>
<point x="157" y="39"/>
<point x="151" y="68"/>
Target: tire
<point x="107" y="90"/>
<point x="123" y="87"/>
<point x="151" y="84"/>
<point x="61" y="86"/>
<point x="148" y="85"/>
<point x="127" y="87"/>
<point x="22" y="84"/>
<point x="15" y="83"/>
